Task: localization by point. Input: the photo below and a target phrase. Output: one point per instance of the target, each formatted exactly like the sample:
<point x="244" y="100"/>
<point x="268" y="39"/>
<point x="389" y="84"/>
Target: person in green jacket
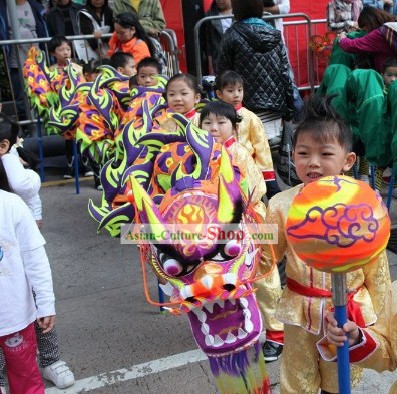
<point x="150" y="13"/>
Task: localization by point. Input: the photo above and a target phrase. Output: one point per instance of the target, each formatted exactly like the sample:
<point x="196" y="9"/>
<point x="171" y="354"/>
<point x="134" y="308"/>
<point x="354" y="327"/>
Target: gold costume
<point x="269" y="288"/>
<point x="252" y="136"/>
<point x="302" y="369"/>
<point x="256" y="183"/>
<point x="378" y="349"/>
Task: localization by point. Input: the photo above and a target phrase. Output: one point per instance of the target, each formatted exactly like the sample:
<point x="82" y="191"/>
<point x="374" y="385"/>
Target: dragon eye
<point x="172" y="267"/>
<point x="233" y="248"/>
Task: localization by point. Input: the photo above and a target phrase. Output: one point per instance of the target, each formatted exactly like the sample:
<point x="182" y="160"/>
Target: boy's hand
<point x="337" y="336"/>
<point x="46" y="323"/>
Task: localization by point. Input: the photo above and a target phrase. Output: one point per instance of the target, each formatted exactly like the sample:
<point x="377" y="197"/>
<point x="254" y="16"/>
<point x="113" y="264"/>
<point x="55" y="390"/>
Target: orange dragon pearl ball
<point x="338" y="224"/>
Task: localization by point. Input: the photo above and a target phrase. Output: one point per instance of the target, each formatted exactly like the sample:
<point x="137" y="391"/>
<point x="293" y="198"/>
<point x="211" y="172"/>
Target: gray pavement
<point x="109" y="335"/>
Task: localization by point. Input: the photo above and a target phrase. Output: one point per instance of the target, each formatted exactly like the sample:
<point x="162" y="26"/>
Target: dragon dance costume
<point x="164" y="180"/>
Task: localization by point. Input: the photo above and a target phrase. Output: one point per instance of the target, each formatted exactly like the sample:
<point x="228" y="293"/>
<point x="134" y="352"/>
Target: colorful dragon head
<point x="201" y="246"/>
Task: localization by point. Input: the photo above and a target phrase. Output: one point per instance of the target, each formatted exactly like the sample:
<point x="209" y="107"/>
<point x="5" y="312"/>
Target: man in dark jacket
<point x="256" y="51"/>
<point x="62" y="19"/>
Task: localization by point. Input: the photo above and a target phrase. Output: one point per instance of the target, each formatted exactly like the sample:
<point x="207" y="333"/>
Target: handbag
<point x="285" y="166"/>
<point x="83" y="48"/>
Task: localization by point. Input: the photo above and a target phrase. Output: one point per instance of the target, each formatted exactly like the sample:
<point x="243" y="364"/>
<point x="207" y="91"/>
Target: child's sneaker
<point x="272" y="351"/>
<point x="69" y="173"/>
<point x="59" y="374"/>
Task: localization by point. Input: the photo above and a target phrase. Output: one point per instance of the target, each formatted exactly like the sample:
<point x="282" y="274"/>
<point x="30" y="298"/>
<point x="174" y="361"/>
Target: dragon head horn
<point x="146" y="208"/>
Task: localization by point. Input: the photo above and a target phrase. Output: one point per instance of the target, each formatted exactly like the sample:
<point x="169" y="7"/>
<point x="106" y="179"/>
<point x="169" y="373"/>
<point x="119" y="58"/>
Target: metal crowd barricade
<point x="169" y="44"/>
<point x="309" y="64"/>
<point x="302" y="57"/>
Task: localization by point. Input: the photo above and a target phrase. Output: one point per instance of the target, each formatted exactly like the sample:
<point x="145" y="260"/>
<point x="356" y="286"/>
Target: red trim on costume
<point x="359" y="353"/>
<point x="275" y="336"/>
<point x="353" y="308"/>
<point x="237" y="107"/>
<point x="229" y="142"/>
<point x="190" y="114"/>
<point x="269" y="175"/>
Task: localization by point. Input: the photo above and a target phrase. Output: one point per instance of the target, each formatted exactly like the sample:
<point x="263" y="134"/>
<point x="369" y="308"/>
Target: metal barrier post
<point x="41" y="149"/>
<point x="76" y="167"/>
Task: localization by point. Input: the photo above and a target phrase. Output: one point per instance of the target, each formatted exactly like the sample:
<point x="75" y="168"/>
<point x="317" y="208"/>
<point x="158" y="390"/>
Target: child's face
<point x="219" y="126"/>
<point x="231" y="94"/>
<point x="146" y="76"/>
<point x="63" y="53"/>
<point x="314" y="159"/>
<point x="181" y="97"/>
<point x="129" y="69"/>
<point x="389" y="75"/>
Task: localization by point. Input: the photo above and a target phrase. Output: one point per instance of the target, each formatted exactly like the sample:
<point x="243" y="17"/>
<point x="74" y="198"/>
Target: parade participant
<point x="147" y="69"/>
<point x="222" y="121"/>
<point x="182" y="94"/>
<point x="61" y="48"/>
<point x="373" y="347"/>
<point x="124" y="63"/>
<point x="251" y="132"/>
<point x="322" y="146"/>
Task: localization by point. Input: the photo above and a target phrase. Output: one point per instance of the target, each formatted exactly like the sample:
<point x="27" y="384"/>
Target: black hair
<point x="390" y="62"/>
<point x="220" y="108"/>
<point x="133" y="81"/>
<point x="243" y="9"/>
<point x="149" y="62"/>
<point x="9" y="131"/>
<point x="90" y="6"/>
<point x="120" y="59"/>
<point x="189" y="79"/>
<point x="91" y="66"/>
<point x="128" y="20"/>
<point x="228" y="77"/>
<point x="320" y="120"/>
<point x="56" y="42"/>
<point x="4" y="185"/>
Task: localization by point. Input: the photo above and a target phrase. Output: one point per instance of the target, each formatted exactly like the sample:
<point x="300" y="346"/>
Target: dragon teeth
<point x="248" y="326"/>
<point x="230" y="338"/>
<point x="218" y="341"/>
<point x="244" y="302"/>
<point x="241" y="334"/>
<point x="209" y="340"/>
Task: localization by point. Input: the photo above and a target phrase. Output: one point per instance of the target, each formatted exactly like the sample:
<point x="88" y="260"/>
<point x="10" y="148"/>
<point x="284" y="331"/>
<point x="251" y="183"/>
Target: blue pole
<point x="76" y="167"/>
<point x="372" y="175"/>
<point x="339" y="299"/>
<point x="161" y="297"/>
<point x="390" y="190"/>
<point x="41" y="150"/>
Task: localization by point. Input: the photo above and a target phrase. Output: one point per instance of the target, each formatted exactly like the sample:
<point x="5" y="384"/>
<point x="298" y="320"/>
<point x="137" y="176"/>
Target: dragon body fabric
<point x="167" y="176"/>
